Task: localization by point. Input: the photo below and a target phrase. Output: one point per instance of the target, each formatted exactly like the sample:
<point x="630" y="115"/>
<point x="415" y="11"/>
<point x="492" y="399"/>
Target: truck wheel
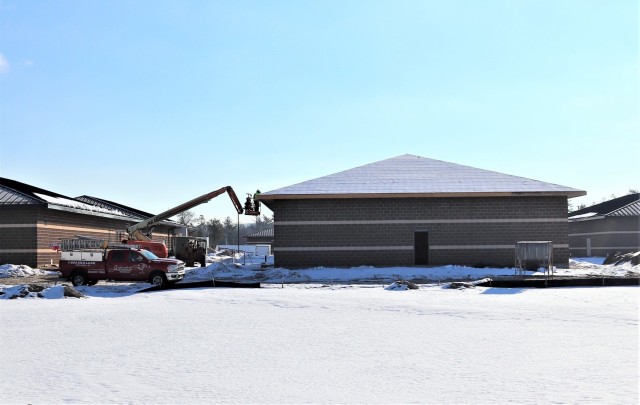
<point x="203" y="262"/>
<point x="78" y="278"/>
<point x="158" y="279"/>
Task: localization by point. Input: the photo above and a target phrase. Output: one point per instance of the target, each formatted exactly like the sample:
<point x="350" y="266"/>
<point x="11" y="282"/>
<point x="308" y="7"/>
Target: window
<point x="135" y="257"/>
<point x="117" y="256"/>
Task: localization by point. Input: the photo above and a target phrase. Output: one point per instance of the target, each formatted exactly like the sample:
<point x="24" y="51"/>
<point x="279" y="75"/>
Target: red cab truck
<point x="87" y="267"/>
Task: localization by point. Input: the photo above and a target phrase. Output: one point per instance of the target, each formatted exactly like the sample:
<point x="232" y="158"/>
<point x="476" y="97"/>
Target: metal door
<point x="421" y="247"/>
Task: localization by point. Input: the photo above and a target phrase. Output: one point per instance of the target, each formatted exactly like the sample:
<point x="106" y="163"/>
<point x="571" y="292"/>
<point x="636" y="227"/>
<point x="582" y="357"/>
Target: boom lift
<point x="139" y="233"/>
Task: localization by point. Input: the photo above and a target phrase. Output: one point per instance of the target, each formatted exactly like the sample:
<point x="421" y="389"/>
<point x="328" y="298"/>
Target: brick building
<point x="411" y="210"/>
<point x="32" y="218"/>
<point x="606" y="228"/>
<point x="263" y="237"/>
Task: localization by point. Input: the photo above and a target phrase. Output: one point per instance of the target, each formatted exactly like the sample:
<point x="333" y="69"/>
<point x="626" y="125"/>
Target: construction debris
<point x="402" y="285"/>
<point x="621" y="258"/>
<point x="467" y="284"/>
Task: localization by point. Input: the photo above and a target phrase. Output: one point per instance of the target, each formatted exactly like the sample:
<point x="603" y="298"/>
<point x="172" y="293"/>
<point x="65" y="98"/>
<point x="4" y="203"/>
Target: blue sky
<point x="152" y="103"/>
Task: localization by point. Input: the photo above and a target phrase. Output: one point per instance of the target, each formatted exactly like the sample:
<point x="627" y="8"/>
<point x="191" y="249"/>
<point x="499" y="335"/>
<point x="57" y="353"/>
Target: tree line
<point x="222" y="232"/>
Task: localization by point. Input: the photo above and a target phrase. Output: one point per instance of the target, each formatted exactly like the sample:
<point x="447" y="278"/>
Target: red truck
<point x="119" y="264"/>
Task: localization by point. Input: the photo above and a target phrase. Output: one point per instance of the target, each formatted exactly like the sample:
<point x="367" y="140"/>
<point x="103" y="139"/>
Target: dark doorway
<point x="421" y="247"/>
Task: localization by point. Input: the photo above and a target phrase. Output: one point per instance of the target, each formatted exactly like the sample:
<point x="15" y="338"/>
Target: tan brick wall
<point x="27" y="231"/>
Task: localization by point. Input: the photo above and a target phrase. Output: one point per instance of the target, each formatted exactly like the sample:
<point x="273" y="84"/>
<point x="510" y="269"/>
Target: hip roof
<point x="416" y="176"/>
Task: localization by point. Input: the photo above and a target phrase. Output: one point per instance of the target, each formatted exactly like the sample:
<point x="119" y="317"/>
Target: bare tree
<point x="201" y="226"/>
<point x="186" y="217"/>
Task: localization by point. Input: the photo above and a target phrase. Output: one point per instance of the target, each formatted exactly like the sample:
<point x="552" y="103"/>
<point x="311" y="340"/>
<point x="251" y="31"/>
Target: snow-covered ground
<point x="240" y="268"/>
<point x="243" y="268"/>
<point x="323" y="342"/>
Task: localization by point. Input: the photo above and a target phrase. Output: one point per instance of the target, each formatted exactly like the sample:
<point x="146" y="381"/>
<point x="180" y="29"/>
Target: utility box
<point x="263" y="250"/>
<point x="79" y="255"/>
<point x="532" y="255"/>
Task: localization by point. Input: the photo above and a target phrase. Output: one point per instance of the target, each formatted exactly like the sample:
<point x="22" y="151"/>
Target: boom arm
<point x="135" y="233"/>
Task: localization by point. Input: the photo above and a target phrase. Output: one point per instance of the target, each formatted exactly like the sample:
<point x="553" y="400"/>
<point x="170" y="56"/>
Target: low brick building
<point x="411" y="210"/>
<point x="31" y="219"/>
<point x="263" y="237"/>
<point x="606" y="228"/>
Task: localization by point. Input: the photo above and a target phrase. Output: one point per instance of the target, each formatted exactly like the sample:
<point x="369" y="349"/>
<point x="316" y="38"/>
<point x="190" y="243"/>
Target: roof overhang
<point x="85" y="212"/>
<point x="584" y="219"/>
<point x="569" y="194"/>
<point x="106" y="215"/>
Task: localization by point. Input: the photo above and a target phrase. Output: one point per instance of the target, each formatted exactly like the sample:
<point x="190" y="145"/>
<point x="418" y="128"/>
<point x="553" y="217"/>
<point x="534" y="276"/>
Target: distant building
<point x="263" y="237"/>
<point x="605" y="228"/>
<point x="31" y="219"/>
<point x="411" y="210"/>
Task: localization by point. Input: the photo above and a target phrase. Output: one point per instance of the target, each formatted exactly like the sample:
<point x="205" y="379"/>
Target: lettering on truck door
<point x="139" y="266"/>
<point x="117" y="265"/>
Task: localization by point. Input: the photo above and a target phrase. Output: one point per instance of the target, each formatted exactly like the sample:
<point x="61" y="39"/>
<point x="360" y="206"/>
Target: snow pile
<point x="240" y="269"/>
<point x="36" y="291"/>
<point x="14" y="270"/>
<point x="586" y="263"/>
<point x="397" y="287"/>
<point x="595" y="266"/>
<point x="458" y="285"/>
<point x="401" y="285"/>
<point x="54" y="292"/>
<point x="600" y="271"/>
<point x="243" y="269"/>
<point x="204" y="273"/>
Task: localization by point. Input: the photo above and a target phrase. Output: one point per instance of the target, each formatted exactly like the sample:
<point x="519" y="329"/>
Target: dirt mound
<point x="619" y="258"/>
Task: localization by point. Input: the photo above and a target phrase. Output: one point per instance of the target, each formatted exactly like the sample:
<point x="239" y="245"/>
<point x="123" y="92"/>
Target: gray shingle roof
<point x="415" y="176"/>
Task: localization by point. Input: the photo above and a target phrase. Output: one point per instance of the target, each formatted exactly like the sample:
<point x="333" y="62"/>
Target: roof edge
<point x="107" y="215"/>
<point x="87" y="212"/>
<point x="568" y="194"/>
<point x="624" y="207"/>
